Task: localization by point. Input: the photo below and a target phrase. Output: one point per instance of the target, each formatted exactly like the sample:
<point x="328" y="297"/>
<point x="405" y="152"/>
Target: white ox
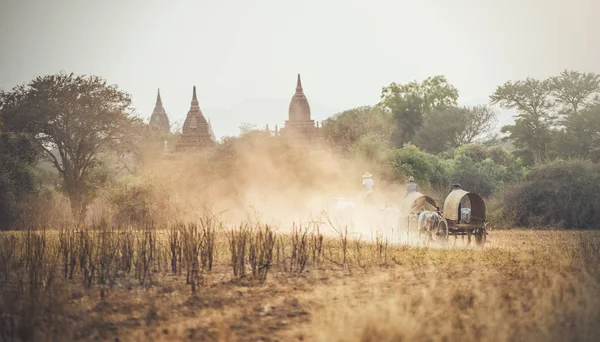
<point x="342" y="213"/>
<point x="428" y="221"/>
<point x="390" y="222"/>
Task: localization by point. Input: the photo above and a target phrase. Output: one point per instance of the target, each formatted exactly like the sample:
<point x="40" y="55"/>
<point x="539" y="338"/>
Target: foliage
<point x="575" y="90"/>
<point x="139" y="203"/>
<point x="345" y="129"/>
<point x="371" y="147"/>
<point x="79" y="116"/>
<point x="484" y="170"/>
<point x="562" y="193"/>
<point x="17" y="176"/>
<point x="453" y="126"/>
<point x="580" y="135"/>
<point x="410" y="103"/>
<point x="534" y="120"/>
<point x="428" y="170"/>
<point x="555" y="117"/>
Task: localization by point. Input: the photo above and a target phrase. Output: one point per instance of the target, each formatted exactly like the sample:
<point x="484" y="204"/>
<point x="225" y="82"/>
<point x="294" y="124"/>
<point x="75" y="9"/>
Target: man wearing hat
<point x="368" y="184"/>
<point x="411" y="186"/>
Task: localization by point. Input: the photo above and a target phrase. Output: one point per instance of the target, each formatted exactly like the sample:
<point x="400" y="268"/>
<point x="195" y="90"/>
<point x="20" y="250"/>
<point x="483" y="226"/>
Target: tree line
<point x="417" y="129"/>
<point x="74" y="122"/>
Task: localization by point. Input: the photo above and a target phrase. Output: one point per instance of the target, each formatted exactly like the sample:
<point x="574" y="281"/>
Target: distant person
<point x="411" y="186"/>
<point x="368" y="185"/>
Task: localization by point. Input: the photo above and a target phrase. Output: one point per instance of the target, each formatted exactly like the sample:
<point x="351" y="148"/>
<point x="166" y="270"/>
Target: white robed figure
<point x="368" y="185"/>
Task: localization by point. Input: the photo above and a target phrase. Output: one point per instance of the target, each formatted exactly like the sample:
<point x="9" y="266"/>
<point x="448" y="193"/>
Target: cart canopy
<point x="416" y="202"/>
<point x="453" y="201"/>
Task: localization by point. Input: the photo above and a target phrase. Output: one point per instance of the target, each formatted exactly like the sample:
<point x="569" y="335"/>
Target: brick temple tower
<point x="159" y="120"/>
<point x="197" y="132"/>
<point x="299" y="123"/>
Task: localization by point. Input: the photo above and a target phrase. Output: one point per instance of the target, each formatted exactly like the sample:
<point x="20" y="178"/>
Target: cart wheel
<point x="439" y="234"/>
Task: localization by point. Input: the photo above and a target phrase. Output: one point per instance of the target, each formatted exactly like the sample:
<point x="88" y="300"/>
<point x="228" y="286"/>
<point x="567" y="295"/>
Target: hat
<point x="411" y="179"/>
<point x="456" y="185"/>
<point x="367" y="175"/>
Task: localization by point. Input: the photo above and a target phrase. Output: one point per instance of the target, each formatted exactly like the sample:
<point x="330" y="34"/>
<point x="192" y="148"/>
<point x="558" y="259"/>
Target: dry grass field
<point x="207" y="283"/>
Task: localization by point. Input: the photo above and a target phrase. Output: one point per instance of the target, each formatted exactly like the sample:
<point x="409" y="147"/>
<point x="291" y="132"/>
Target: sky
<point x="243" y="56"/>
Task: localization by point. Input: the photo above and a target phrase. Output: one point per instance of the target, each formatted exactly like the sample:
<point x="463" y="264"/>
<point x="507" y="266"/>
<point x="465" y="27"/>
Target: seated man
<point x="411" y="186"/>
<point x="368" y="184"/>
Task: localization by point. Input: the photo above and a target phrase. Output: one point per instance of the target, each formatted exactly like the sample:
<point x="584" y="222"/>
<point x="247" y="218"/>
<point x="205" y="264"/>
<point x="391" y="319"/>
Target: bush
<point x="139" y="203"/>
<point x="428" y="170"/>
<point x="17" y="177"/>
<point x="484" y="170"/>
<point x="346" y="128"/>
<point x="563" y="194"/>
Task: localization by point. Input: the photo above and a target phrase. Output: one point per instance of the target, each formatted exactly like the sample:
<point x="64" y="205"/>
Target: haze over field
<point x="238" y="51"/>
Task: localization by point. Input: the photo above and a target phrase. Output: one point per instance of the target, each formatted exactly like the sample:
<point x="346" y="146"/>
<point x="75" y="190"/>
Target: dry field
<point x="207" y="283"/>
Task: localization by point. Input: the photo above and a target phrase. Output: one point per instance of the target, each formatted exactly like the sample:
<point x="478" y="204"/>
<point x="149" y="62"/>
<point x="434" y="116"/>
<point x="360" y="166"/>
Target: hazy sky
<point x="346" y="50"/>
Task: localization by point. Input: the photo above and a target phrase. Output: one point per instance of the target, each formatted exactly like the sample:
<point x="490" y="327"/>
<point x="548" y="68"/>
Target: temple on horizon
<point x="196" y="132"/>
<point x="159" y="119"/>
<point x="299" y="123"/>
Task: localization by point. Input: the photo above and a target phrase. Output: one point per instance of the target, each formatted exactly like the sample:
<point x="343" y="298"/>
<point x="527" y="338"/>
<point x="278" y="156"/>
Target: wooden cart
<point x="476" y="225"/>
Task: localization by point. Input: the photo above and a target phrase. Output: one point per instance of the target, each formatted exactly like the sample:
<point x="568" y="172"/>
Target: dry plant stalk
<point x="260" y="256"/>
<point x="238" y="239"/>
<point x="300" y="249"/>
<point x="381" y="244"/>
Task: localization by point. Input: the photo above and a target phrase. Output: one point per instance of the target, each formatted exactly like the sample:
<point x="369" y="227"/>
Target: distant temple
<point x="159" y="119"/>
<point x="299" y="123"/>
<point x="197" y="132"/>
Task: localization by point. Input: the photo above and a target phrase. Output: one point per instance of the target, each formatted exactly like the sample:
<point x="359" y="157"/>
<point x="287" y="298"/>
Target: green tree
<point x="484" y="170"/>
<point x="532" y="100"/>
<point x="17" y="180"/>
<point x="454" y="126"/>
<point x="410" y="103"/>
<point x="577" y="99"/>
<point x="371" y="147"/>
<point x="579" y="136"/>
<point x="428" y="170"/>
<point x="575" y="90"/>
<point x="79" y="116"/>
<point x="346" y="128"/>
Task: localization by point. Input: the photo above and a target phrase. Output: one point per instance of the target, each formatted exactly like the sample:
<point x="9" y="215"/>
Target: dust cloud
<point x="279" y="182"/>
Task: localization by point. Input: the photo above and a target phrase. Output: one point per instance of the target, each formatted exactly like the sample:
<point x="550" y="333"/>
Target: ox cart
<point x="468" y="221"/>
<point x="415" y="206"/>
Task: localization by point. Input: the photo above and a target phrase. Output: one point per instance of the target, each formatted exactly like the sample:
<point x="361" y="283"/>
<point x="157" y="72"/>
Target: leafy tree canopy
<point x="80" y="117"/>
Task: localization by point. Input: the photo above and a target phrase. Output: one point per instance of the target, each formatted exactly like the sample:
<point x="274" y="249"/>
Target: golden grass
<point x="522" y="286"/>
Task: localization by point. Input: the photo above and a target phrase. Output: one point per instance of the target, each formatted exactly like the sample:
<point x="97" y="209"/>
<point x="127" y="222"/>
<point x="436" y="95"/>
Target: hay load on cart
<point x="463" y="222"/>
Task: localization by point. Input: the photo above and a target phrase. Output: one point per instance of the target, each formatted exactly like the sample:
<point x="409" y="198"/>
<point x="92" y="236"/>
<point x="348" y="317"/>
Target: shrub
<point x="484" y="170"/>
<point x="17" y="179"/>
<point x="562" y="193"/>
<point x="139" y="203"/>
<point x="426" y="168"/>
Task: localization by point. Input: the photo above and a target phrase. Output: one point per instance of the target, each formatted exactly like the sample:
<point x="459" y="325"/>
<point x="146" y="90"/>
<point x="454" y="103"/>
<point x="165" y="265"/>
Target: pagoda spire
<point x="158" y="99"/>
<point x="159" y="119"/>
<point x="195" y="104"/>
<point x="299" y="85"/>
